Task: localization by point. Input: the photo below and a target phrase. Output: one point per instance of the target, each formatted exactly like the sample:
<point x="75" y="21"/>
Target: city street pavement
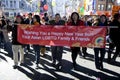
<point x="85" y="69"/>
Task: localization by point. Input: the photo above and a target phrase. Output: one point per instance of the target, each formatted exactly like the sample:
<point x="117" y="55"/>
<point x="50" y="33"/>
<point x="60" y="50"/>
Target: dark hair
<point x="76" y="14"/>
<point x="22" y="20"/>
<point x="103" y="16"/>
<point x="45" y="14"/>
<point x="106" y="22"/>
<point x="37" y="18"/>
<point x="30" y="14"/>
<point x="57" y="14"/>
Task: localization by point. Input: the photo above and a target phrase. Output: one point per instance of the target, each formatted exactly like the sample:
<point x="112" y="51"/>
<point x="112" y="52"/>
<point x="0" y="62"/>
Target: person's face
<point x="103" y="19"/>
<point x="29" y="16"/>
<point x="34" y="19"/>
<point x="57" y="18"/>
<point x="75" y="17"/>
<point x="18" y="19"/>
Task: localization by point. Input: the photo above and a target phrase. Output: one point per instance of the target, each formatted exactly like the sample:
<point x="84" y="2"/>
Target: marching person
<point x="7" y="42"/>
<point x="16" y="46"/>
<point x="29" y="21"/>
<point x="36" y="47"/>
<point x="57" y="50"/>
<point x="2" y="24"/>
<point x="114" y="38"/>
<point x="75" y="21"/>
<point x="100" y="51"/>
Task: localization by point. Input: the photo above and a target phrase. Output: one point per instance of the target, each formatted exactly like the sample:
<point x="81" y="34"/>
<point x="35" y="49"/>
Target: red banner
<point x="62" y="35"/>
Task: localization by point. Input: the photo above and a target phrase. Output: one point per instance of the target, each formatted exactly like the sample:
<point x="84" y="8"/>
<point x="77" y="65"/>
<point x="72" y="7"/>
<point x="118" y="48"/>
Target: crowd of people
<point x="13" y="47"/>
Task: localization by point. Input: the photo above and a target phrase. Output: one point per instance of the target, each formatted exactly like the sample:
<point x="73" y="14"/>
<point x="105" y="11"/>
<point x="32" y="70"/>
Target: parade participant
<point x="2" y="24"/>
<point x="16" y="46"/>
<point x="36" y="47"/>
<point x="29" y="21"/>
<point x="57" y="50"/>
<point x="114" y="38"/>
<point x="44" y="21"/>
<point x="7" y="42"/>
<point x="75" y="21"/>
<point x="99" y="60"/>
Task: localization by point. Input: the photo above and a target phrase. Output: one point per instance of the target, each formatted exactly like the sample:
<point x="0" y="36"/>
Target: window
<point x="15" y="4"/>
<point x="110" y="1"/>
<point x="109" y="7"/>
<point x="7" y="3"/>
<point x="11" y="4"/>
<point x="101" y="0"/>
<point x="101" y="7"/>
<point x="7" y="14"/>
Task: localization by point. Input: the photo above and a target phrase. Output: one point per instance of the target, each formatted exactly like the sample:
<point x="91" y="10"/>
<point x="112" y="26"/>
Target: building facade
<point x="11" y="8"/>
<point x="99" y="7"/>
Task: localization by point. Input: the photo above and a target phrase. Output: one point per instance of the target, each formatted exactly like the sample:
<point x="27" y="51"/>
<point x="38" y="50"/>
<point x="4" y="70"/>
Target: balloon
<point x="82" y="10"/>
<point x="45" y="7"/>
<point x="53" y="3"/>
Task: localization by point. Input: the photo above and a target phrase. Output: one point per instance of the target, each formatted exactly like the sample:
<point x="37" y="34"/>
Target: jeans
<point x="37" y="53"/>
<point x="57" y="54"/>
<point x="75" y="52"/>
<point x="8" y="48"/>
<point x="99" y="60"/>
<point x="1" y="40"/>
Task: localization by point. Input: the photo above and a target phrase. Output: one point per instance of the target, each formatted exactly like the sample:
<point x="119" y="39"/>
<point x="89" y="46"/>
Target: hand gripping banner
<point x="73" y="36"/>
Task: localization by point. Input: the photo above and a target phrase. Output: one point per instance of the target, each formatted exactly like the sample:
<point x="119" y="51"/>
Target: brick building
<point x="104" y="7"/>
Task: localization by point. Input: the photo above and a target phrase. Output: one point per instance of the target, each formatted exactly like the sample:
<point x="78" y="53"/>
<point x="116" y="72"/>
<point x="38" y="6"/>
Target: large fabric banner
<point x="62" y="35"/>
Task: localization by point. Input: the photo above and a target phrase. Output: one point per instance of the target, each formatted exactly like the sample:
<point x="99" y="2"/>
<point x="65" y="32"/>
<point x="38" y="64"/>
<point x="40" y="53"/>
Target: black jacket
<point x="114" y="32"/>
<point x="61" y="22"/>
<point x="14" y="35"/>
<point x="27" y="21"/>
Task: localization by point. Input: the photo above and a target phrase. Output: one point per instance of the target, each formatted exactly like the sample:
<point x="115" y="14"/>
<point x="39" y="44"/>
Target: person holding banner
<point x="57" y="50"/>
<point x="16" y="46"/>
<point x="29" y="21"/>
<point x="100" y="51"/>
<point x="75" y="21"/>
<point x="36" y="47"/>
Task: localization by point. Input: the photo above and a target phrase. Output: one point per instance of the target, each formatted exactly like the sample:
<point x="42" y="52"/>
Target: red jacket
<point x="79" y="23"/>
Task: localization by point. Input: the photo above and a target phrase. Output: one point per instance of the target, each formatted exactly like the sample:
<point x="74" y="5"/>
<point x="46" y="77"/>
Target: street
<point x="85" y="68"/>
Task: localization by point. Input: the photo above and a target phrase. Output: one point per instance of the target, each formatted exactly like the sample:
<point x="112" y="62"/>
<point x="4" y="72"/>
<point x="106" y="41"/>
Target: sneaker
<point x="53" y="64"/>
<point x="58" y="67"/>
<point x="21" y="64"/>
<point x="15" y="67"/>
